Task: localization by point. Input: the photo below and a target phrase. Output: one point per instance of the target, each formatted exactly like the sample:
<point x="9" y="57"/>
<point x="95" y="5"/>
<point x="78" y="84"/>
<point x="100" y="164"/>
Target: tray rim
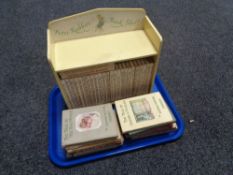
<point x="93" y="157"/>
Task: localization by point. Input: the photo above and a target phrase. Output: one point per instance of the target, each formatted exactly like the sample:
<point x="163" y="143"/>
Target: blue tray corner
<point x="57" y="154"/>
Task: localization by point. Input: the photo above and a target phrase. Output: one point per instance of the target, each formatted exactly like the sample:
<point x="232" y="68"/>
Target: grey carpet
<point x="196" y="66"/>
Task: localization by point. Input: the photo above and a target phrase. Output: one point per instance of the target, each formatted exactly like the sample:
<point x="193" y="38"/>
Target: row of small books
<point x="97" y="128"/>
<point x="106" y="83"/>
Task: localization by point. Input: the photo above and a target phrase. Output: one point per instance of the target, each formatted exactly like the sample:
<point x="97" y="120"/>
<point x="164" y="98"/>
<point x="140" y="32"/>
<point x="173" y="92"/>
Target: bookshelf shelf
<point x="102" y="49"/>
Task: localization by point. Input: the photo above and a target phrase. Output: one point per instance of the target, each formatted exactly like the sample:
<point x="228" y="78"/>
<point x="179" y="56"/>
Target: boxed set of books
<point x="103" y="55"/>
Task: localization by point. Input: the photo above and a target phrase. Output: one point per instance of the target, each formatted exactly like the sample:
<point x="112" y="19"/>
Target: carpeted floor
<point x="196" y="66"/>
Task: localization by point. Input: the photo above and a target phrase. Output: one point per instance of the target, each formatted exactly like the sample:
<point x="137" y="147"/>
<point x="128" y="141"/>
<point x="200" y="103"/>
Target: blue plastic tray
<point x="57" y="154"/>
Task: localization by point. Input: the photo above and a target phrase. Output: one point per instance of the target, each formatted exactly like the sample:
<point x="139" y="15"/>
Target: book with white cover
<point x="143" y="111"/>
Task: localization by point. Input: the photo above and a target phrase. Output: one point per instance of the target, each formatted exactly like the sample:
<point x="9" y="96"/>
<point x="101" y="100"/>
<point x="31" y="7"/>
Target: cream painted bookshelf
<point x="93" y="42"/>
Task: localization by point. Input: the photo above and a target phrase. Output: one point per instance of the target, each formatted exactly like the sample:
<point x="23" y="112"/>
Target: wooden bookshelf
<point x="92" y="43"/>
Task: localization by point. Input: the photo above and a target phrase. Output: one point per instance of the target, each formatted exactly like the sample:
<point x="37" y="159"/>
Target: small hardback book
<point x="89" y="124"/>
<point x="143" y="112"/>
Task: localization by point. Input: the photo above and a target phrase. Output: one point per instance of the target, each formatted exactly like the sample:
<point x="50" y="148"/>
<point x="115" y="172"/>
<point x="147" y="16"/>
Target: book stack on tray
<point x="144" y="116"/>
<point x="90" y="129"/>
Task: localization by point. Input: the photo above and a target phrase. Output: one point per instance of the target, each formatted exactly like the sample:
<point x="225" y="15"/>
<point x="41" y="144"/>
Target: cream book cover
<point x="143" y="111"/>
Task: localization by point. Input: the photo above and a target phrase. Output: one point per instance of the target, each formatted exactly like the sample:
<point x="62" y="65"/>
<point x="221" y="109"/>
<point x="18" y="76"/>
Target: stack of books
<point x="91" y="129"/>
<point x="145" y="116"/>
<point x="97" y="128"/>
<point x="106" y="83"/>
